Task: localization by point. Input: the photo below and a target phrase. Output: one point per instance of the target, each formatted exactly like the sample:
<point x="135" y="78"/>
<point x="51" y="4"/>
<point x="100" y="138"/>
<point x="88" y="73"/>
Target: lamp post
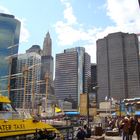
<point x="110" y="102"/>
<point x="88" y="109"/>
<point x="89" y="89"/>
<point x="106" y="98"/>
<point x="120" y="108"/>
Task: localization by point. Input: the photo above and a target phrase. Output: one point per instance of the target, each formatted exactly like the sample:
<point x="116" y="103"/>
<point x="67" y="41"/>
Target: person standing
<point x="87" y="131"/>
<point x="125" y="125"/>
<point x="138" y="129"/>
<point x="81" y="134"/>
<point x="132" y="127"/>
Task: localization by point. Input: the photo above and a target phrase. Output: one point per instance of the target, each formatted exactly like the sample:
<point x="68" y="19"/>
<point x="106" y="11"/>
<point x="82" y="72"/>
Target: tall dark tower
<point x="118" y="70"/>
<point x="47" y="64"/>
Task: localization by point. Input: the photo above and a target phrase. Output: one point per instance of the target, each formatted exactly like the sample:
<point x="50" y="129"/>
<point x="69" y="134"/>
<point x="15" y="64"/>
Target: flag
<point x="106" y="98"/>
<point x="57" y="110"/>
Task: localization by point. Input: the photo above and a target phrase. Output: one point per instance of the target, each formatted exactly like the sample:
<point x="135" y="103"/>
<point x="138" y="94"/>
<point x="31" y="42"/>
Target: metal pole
<point x="47" y="80"/>
<point x="88" y="108"/>
<point x="120" y="110"/>
<point x="106" y="108"/>
<point x="9" y="77"/>
<point x="33" y="92"/>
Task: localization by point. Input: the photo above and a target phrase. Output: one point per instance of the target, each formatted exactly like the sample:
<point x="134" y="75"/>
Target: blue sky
<point x="72" y="23"/>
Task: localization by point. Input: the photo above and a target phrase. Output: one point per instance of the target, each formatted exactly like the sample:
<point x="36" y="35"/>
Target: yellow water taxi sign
<point x="12" y="127"/>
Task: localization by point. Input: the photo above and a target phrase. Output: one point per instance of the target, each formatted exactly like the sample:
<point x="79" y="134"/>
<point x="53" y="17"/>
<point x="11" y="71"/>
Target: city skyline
<point x="72" y="24"/>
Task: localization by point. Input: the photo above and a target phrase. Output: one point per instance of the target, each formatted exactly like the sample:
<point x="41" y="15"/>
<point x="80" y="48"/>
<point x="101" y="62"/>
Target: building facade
<point x="93" y="75"/>
<point x="47" y="66"/>
<point x="94" y="86"/>
<point x="72" y="74"/>
<point x="28" y="68"/>
<point x="47" y="45"/>
<point x="118" y="71"/>
<point x="34" y="48"/>
<point x="9" y="42"/>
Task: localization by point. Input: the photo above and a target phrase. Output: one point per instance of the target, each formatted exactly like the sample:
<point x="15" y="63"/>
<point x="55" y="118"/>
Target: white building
<point x="27" y="83"/>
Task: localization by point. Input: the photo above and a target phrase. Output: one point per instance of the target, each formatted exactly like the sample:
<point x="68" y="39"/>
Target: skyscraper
<point x="72" y="74"/>
<point x="47" y="64"/>
<point x="118" y="66"/>
<point x="47" y="45"/>
<point x="9" y="40"/>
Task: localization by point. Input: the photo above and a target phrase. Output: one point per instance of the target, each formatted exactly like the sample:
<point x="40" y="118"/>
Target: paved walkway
<point x="110" y="137"/>
<point x="118" y="138"/>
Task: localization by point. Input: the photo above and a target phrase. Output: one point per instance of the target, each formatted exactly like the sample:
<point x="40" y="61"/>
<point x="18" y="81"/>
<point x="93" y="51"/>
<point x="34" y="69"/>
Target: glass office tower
<point x="9" y="40"/>
<point x="71" y="75"/>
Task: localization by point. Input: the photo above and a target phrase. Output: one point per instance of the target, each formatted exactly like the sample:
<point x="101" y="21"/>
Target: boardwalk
<point x="109" y="137"/>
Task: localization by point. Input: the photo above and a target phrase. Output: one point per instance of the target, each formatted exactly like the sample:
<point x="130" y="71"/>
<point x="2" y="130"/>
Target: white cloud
<point x="69" y="33"/>
<point x="122" y="11"/>
<point x="24" y="33"/>
<point x="4" y="10"/>
<point x="68" y="15"/>
<point x="125" y="14"/>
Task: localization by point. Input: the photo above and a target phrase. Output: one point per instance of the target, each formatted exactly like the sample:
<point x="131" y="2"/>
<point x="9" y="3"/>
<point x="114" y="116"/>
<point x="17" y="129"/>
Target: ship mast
<point x="25" y="72"/>
<point x="47" y="82"/>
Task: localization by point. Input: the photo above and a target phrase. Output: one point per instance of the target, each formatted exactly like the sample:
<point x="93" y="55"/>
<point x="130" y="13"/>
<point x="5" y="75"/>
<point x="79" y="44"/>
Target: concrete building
<point x="34" y="48"/>
<point x="118" y="71"/>
<point x="9" y="42"/>
<point x="28" y="66"/>
<point x="72" y="74"/>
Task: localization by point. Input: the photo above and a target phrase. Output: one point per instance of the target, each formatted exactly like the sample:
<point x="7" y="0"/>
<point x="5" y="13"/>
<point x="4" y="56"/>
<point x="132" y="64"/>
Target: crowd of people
<point x="126" y="126"/>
